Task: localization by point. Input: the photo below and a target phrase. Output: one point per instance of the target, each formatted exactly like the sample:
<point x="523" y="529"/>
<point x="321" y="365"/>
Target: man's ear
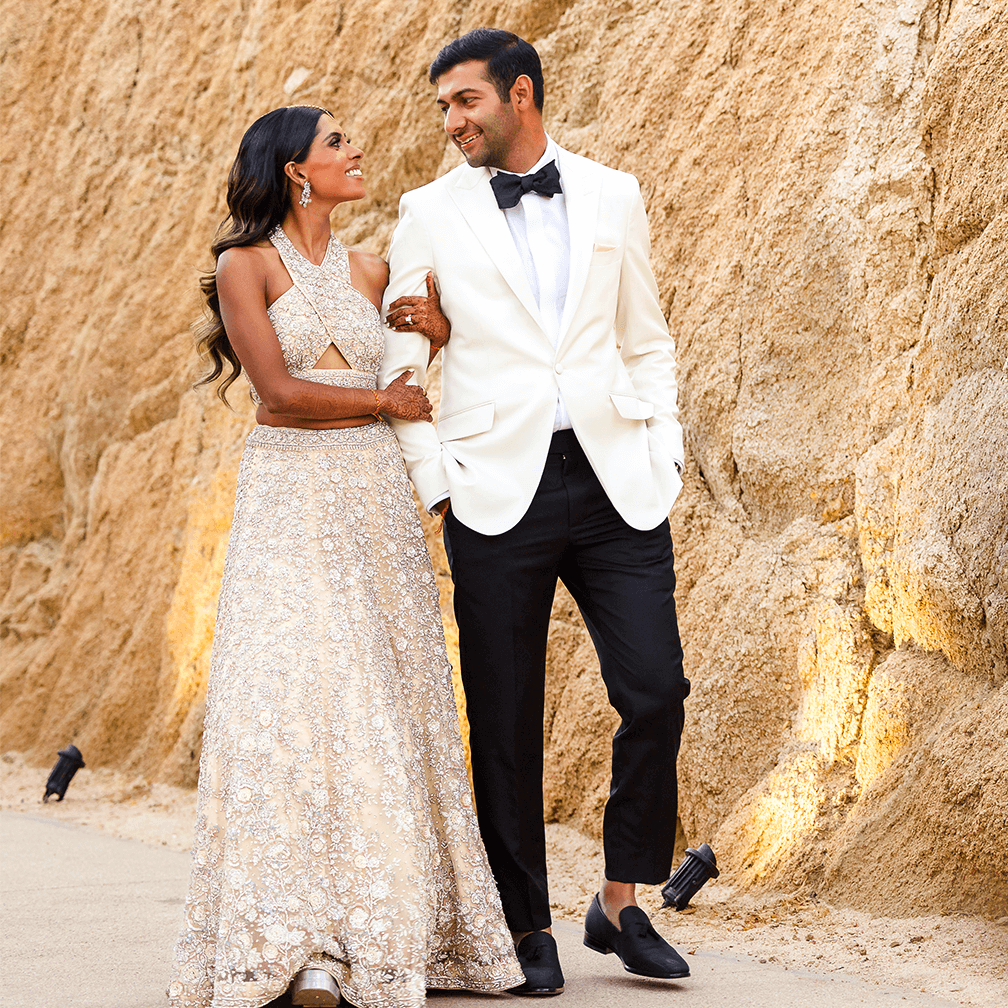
<point x="521" y="92"/>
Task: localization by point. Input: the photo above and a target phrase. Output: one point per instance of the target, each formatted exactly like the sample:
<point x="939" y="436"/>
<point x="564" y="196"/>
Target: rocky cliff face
<point x="828" y="195"/>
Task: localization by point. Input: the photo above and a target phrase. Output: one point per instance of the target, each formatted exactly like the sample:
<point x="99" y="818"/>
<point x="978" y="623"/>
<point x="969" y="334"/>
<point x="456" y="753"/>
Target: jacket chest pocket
<point x="602" y="254"/>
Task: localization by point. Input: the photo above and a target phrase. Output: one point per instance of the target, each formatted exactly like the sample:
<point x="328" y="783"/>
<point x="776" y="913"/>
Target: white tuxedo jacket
<point x="614" y="361"/>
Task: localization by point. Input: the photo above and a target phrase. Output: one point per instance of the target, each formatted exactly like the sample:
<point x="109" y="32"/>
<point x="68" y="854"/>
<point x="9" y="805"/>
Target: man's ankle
<point x="614" y="897"/>
<point x="517" y="936"/>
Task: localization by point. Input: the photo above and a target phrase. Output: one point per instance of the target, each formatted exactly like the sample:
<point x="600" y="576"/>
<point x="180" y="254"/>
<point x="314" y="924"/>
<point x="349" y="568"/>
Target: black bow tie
<point x="509" y="188"/>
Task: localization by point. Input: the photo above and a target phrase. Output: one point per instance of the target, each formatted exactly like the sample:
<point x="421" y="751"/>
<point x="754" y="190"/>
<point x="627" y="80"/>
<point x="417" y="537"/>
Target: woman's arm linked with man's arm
<point x="410" y="260"/>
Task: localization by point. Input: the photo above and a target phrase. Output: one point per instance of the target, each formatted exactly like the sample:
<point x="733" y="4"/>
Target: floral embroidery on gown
<point x="335" y="827"/>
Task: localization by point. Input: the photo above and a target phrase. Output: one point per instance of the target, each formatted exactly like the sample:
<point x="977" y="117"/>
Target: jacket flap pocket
<point x="467" y="422"/>
<point x="631" y="407"/>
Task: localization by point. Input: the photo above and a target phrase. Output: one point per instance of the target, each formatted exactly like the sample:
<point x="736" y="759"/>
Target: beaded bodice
<point x="322" y="307"/>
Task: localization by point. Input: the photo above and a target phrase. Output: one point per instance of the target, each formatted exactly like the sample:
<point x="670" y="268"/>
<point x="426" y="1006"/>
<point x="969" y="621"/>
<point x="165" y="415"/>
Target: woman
<point x="335" y="835"/>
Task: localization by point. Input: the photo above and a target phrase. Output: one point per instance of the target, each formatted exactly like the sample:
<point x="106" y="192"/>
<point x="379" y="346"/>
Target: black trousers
<point x="623" y="581"/>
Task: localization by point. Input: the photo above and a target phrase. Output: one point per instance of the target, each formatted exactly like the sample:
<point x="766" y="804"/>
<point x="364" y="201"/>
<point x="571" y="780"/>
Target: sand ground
<point x="959" y="957"/>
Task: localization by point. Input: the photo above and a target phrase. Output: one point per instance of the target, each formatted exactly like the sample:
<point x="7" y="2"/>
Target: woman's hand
<point x="404" y="402"/>
<point x="421" y="315"/>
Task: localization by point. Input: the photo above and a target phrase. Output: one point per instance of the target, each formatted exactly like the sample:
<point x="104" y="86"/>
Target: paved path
<point x="89" y="921"/>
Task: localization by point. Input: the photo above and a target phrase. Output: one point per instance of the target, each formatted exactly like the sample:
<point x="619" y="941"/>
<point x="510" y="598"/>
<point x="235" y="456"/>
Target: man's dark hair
<point x="506" y="55"/>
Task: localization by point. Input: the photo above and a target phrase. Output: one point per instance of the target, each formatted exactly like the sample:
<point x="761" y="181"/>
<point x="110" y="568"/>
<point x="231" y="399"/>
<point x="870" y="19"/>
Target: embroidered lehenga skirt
<point x="335" y="826"/>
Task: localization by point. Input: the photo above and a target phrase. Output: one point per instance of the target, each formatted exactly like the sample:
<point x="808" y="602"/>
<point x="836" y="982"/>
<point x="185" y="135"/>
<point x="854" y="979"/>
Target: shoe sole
<point x="537" y="992"/>
<point x="597" y="946"/>
<point x="668" y="976"/>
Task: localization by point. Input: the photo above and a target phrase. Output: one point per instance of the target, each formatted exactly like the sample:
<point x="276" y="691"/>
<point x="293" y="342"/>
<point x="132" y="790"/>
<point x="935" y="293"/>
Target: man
<point x="556" y="455"/>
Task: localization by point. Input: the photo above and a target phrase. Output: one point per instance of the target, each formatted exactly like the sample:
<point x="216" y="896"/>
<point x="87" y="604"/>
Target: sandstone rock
<point x="828" y="195"/>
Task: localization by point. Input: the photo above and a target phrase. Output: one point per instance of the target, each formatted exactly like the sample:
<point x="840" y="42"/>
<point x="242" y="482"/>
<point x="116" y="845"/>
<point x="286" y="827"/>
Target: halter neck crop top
<point x="322" y="307"/>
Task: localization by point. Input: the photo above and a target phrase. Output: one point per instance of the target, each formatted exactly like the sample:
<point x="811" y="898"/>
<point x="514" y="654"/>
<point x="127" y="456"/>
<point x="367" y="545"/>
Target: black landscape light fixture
<point x="695" y="869"/>
<point x="69" y="762"/>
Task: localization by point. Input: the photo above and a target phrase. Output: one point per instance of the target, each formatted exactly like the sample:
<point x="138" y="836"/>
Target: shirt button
<point x="559" y="369"/>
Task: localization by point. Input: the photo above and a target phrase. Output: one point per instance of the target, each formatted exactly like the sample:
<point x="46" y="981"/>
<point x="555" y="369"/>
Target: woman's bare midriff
<point x="331" y="360"/>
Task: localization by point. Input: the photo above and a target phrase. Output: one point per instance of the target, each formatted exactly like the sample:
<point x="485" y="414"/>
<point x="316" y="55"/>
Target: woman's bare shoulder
<point x="369" y="274"/>
<point x="245" y="254"/>
<point x="370" y="265"/>
<point x="245" y="262"/>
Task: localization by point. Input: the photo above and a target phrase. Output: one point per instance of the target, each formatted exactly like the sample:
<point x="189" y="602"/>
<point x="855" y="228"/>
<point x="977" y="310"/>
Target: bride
<point x="335" y="834"/>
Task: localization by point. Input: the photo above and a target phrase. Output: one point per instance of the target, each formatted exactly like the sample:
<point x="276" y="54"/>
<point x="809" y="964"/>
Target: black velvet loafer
<point x="540" y="962"/>
<point x="642" y="950"/>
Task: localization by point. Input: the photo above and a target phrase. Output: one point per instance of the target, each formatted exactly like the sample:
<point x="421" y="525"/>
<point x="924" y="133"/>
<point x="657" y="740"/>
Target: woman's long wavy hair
<point x="258" y="197"/>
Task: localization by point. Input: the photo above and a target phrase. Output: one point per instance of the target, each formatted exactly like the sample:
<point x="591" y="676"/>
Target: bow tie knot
<point x="509" y="189"/>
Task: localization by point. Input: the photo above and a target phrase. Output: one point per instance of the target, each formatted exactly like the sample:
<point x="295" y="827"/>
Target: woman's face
<point x="332" y="165"/>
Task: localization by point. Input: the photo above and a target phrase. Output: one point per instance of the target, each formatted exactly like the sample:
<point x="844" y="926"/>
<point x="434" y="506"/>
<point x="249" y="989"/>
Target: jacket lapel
<point x="581" y="193"/>
<point x="476" y="202"/>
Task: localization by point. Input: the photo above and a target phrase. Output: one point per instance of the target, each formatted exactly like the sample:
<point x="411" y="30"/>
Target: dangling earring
<point x="305" y="194"/>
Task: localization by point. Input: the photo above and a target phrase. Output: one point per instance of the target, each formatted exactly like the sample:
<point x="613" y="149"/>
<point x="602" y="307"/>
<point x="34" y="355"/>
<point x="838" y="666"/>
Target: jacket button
<point x="559" y="369"/>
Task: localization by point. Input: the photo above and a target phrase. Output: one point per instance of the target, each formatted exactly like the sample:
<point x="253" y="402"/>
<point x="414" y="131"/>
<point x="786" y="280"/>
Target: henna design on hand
<point x="403" y="401"/>
<point x="421" y="315"/>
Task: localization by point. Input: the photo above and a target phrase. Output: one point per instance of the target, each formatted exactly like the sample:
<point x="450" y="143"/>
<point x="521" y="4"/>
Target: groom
<point x="556" y="454"/>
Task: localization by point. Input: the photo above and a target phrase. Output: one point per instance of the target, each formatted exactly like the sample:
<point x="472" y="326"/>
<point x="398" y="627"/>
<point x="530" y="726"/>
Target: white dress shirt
<point x="538" y="225"/>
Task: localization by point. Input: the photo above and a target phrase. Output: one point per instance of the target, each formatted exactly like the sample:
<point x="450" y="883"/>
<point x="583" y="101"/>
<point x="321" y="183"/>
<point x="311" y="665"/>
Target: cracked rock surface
<point x="827" y="187"/>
